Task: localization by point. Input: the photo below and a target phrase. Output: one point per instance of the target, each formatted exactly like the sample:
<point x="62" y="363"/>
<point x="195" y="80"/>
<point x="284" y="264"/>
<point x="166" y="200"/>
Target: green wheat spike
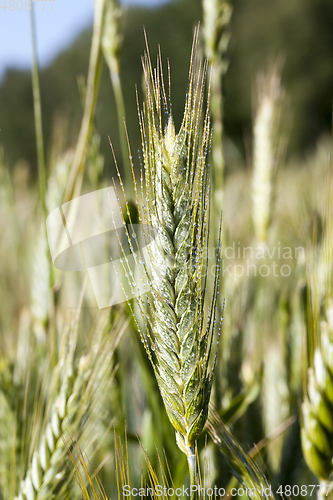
<point x="176" y="200"/>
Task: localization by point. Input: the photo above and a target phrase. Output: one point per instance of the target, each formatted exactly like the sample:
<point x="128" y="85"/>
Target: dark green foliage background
<point x="298" y="31"/>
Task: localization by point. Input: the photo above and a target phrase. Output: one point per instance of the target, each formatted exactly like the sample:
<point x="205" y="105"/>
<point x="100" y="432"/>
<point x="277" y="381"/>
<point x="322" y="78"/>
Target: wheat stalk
<point x="241" y="463"/>
<point x="40" y="286"/>
<point x="6" y="443"/>
<point x="41" y="269"/>
<point x="275" y="399"/>
<point x="217" y="14"/>
<point x="177" y="194"/>
<point x="111" y="42"/>
<point x="325" y="264"/>
<point x="57" y="181"/>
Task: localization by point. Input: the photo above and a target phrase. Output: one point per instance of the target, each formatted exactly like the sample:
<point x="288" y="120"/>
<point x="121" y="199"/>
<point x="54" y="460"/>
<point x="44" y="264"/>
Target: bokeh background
<point x="276" y="191"/>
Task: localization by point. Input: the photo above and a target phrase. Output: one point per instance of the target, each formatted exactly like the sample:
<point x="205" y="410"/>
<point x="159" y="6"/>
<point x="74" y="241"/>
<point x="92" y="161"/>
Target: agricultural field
<point x="166" y="257"/>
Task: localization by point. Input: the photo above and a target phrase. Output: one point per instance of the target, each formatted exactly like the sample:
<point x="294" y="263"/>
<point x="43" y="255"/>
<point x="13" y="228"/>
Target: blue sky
<point x="55" y="28"/>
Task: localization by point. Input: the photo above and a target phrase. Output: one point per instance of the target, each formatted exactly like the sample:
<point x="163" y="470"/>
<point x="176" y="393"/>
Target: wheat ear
<point x="317" y="408"/>
<point x="44" y="472"/>
<point x="81" y="389"/>
<point x="267" y="148"/>
<point x="176" y="196"/>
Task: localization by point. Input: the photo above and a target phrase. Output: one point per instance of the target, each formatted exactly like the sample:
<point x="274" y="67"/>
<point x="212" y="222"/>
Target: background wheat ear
<point x="317" y="407"/>
<point x="76" y="393"/>
<point x="317" y="431"/>
<point x="175" y="198"/>
<point x="268" y="147"/>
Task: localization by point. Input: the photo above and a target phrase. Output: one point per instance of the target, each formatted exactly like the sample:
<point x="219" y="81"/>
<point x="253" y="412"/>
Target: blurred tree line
<point x="297" y="31"/>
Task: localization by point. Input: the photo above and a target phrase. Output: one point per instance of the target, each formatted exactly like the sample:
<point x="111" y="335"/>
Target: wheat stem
<point x="94" y="74"/>
<point x="112" y="40"/>
<point x="192" y="467"/>
<point x="38" y="115"/>
<point x="217" y="14"/>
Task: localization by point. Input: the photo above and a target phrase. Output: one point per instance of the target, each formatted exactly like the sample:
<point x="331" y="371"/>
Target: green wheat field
<point x="173" y="339"/>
